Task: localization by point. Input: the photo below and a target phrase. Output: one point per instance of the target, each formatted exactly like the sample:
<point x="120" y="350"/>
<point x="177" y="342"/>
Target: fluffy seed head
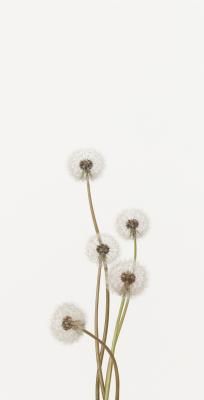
<point x="67" y="323"/>
<point x="127" y="277"/>
<point x="132" y="223"/>
<point x="107" y="250"/>
<point x="87" y="161"/>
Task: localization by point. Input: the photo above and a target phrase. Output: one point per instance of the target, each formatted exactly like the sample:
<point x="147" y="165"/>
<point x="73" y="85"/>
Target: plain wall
<point x="126" y="78"/>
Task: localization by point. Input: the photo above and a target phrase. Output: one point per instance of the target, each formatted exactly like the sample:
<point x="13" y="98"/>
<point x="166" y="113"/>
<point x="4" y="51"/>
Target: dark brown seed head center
<point x="102" y="249"/>
<point x="132" y="224"/>
<point x="128" y="278"/>
<point x="86" y="165"/>
<point x="67" y="323"/>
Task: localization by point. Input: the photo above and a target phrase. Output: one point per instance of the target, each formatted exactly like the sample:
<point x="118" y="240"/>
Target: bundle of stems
<point x="103" y="387"/>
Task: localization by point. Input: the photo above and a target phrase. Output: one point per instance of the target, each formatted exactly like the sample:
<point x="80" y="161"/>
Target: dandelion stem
<point x="118" y="326"/>
<point x="122" y="317"/>
<point x="105" y="331"/>
<point x="107" y="312"/>
<point x="117" y="378"/>
<point x="135" y="248"/>
<point x="98" y="359"/>
<point x="107" y="307"/>
<point x="92" y="207"/>
<point x="114" y="342"/>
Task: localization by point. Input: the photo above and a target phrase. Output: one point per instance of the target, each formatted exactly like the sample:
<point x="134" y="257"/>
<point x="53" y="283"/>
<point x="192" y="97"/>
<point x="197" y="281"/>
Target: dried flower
<point x="127" y="277"/>
<point x="86" y="161"/>
<point x="107" y="250"/>
<point x="132" y="223"/>
<point x="67" y="323"/>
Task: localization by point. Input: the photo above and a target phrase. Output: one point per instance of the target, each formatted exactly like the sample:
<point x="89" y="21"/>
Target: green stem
<point x="114" y="342"/>
<point x="135" y="248"/>
<point x="123" y="316"/>
<point x="119" y="323"/>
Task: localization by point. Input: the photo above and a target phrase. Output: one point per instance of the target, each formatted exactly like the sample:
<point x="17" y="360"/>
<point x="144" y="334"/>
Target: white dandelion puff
<point x="132" y="223"/>
<point x="86" y="161"/>
<point x="67" y="323"/>
<point x="127" y="277"/>
<point x="108" y="249"/>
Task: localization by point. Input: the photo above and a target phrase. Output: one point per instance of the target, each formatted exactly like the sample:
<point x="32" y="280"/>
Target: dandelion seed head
<point x="107" y="250"/>
<point x="67" y="323"/>
<point x="127" y="277"/>
<point x="102" y="249"/>
<point x="132" y="223"/>
<point x="86" y="162"/>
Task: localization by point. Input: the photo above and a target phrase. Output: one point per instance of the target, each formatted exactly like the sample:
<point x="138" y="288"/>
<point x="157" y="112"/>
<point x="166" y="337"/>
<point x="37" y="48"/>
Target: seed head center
<point x="67" y="323"/>
<point x="102" y="249"/>
<point x="86" y="165"/>
<point x="128" y="278"/>
<point x="132" y="224"/>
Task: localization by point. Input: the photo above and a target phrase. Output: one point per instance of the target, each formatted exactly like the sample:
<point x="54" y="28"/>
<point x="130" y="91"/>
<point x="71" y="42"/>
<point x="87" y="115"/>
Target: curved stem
<point x="92" y="207"/>
<point x="98" y="360"/>
<point x="117" y="378"/>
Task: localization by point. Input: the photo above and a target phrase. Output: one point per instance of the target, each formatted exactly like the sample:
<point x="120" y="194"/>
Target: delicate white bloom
<point x="67" y="323"/>
<point x="132" y="222"/>
<point x="107" y="250"/>
<point x="127" y="277"/>
<point x="84" y="162"/>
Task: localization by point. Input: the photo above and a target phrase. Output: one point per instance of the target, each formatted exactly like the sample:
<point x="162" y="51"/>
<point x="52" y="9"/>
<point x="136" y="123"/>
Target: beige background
<point x="124" y="77"/>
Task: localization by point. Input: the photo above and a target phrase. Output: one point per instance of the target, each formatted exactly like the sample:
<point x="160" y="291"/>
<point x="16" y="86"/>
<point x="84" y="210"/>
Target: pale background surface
<point x="124" y="77"/>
